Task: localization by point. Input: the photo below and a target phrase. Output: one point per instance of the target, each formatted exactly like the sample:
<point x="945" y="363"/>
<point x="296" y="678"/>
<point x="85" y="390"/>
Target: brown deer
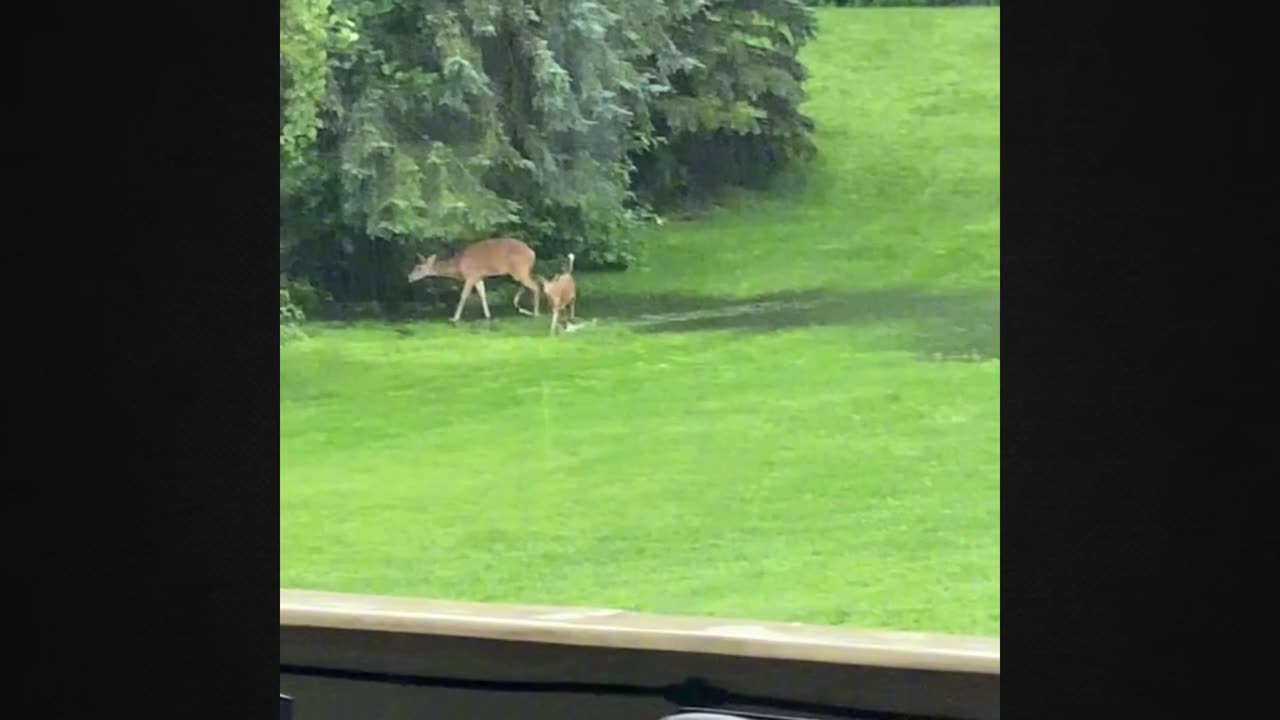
<point x="486" y="258"/>
<point x="562" y="293"/>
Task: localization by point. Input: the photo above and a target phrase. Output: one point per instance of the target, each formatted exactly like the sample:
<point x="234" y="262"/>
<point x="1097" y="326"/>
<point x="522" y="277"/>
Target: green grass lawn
<point x="789" y="410"/>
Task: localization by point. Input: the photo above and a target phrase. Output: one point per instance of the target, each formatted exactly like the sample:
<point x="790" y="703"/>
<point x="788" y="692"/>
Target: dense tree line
<point x="415" y="125"/>
<point x="900" y="3"/>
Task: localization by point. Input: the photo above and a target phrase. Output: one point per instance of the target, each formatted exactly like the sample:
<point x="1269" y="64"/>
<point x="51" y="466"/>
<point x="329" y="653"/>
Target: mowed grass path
<point x="789" y="411"/>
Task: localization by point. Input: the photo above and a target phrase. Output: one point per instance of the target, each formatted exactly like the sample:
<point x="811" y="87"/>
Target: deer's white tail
<point x="570" y="262"/>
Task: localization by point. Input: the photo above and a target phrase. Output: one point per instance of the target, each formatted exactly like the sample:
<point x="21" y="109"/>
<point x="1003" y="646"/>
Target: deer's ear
<point x="420" y="258"/>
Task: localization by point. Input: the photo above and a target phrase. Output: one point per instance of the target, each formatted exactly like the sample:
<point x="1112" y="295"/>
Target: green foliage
<point x="304" y="84"/>
<point x="305" y="295"/>
<point x="733" y="119"/>
<point x="407" y="125"/>
<point x="901" y="3"/>
<point x="291" y="318"/>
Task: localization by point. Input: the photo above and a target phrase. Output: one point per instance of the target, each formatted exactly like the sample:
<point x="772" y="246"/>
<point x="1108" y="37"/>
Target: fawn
<point x="561" y="292"/>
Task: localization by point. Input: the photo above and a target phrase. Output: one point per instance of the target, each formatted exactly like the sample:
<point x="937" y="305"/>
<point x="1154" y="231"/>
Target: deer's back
<point x="497" y="256"/>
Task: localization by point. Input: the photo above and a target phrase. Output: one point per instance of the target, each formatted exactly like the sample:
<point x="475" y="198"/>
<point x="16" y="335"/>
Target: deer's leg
<point x="555" y="318"/>
<point x="484" y="302"/>
<point x="466" y="292"/>
<point x="528" y="282"/>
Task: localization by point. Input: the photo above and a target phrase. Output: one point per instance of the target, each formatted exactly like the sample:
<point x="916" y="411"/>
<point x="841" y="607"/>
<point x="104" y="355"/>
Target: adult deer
<point x="562" y="293"/>
<point x="487" y="258"/>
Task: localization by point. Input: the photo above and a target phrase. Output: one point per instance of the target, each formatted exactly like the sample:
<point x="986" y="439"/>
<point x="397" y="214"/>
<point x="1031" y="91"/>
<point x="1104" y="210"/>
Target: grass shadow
<point x="940" y="326"/>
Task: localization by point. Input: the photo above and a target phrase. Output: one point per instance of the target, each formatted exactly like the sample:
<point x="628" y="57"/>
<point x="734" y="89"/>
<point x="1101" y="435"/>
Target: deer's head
<point x="426" y="267"/>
